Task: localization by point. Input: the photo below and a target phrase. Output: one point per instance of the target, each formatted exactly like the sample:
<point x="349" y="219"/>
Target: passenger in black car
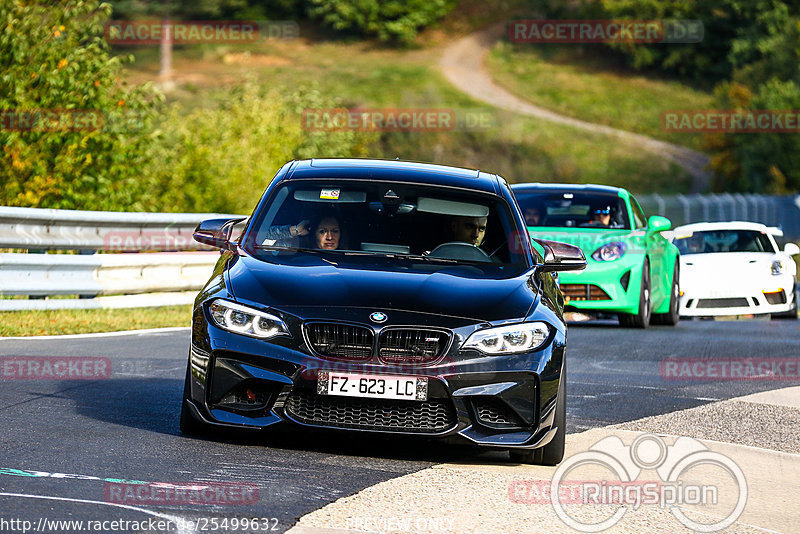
<point x="300" y="229"/>
<point x="324" y="232"/>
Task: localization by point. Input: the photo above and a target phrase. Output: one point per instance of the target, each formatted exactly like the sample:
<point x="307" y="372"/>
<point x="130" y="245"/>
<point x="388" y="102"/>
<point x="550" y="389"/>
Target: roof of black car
<point x="582" y="188"/>
<point x="393" y="170"/>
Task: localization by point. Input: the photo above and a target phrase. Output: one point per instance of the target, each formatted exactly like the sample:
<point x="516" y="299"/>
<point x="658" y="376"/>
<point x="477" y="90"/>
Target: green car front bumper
<point x="610" y="286"/>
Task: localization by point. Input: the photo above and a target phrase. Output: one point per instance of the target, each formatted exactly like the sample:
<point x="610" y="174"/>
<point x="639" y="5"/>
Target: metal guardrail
<point x="135" y="279"/>
<point x="103" y="274"/>
<point x="51" y="229"/>
<point x="780" y="211"/>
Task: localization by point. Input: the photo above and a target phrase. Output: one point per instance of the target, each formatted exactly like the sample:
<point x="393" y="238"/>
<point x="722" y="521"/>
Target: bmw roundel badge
<point x="378" y="317"/>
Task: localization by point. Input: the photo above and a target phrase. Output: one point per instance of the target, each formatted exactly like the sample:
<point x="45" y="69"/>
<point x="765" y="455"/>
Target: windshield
<point x="566" y="209"/>
<point x="723" y="241"/>
<point x="357" y="221"/>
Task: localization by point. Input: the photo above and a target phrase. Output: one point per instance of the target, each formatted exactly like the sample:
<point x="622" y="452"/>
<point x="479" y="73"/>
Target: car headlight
<point x="511" y="339"/>
<point x="610" y="251"/>
<point x="247" y="321"/>
<point x="777" y="267"/>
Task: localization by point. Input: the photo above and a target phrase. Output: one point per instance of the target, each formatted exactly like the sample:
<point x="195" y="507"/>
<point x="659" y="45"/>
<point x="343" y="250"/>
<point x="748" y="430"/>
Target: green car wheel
<point x="672" y="317"/>
<point x="642" y="318"/>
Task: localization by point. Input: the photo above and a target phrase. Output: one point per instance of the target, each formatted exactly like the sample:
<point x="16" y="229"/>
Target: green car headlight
<point x="610" y="251"/>
<point x="511" y="339"/>
<point x="247" y="321"/>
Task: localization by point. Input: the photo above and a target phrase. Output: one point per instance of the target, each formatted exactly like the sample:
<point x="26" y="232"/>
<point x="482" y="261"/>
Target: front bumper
<point x="619" y="284"/>
<point x="503" y="401"/>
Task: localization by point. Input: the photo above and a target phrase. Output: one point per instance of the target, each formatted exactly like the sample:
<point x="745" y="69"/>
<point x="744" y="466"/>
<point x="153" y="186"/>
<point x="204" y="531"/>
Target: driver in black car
<point x="469" y="229"/>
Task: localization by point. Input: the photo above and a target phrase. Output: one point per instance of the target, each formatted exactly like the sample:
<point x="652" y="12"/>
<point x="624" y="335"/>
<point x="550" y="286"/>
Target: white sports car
<point x="735" y="268"/>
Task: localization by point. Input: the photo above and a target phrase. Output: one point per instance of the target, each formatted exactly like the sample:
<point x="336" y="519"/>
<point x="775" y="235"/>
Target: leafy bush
<point x="221" y="159"/>
<point x="389" y="20"/>
<point x="53" y="58"/>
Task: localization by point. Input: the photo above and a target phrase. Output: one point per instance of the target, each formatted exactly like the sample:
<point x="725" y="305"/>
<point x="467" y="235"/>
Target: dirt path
<point x="464" y="64"/>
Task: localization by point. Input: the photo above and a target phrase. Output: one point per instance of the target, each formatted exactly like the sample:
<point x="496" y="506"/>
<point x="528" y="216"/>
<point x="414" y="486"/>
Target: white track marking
<point x="107" y="334"/>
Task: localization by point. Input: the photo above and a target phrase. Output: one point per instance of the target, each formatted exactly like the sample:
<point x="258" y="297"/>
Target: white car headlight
<point x="610" y="251"/>
<point x="777" y="267"/>
<point x="511" y="339"/>
<point x="245" y="320"/>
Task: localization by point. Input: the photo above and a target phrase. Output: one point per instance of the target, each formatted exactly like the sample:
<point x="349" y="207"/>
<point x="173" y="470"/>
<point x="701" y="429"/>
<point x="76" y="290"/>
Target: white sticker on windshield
<point x="329" y="194"/>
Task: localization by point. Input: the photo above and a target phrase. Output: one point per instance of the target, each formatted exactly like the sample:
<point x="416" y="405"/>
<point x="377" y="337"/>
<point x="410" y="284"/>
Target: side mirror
<point x="657" y="223"/>
<point x="561" y="257"/>
<point x="791" y="249"/>
<point x="215" y="232"/>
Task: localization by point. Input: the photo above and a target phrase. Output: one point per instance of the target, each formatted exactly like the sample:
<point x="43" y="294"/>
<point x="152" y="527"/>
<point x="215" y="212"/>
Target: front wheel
<point x="642" y="318"/>
<point x="672" y="317"/>
<point x="552" y="453"/>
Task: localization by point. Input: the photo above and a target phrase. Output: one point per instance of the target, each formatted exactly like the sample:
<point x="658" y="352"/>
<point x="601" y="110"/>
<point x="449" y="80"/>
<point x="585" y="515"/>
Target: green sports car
<point x="632" y="270"/>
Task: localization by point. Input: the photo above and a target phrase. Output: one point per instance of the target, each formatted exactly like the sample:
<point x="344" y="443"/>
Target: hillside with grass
<point x="358" y="74"/>
<point x="592" y="83"/>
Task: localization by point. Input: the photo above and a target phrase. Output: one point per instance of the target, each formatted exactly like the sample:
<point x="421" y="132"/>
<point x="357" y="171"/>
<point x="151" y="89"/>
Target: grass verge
<point x="588" y="82"/>
<point x="55" y="322"/>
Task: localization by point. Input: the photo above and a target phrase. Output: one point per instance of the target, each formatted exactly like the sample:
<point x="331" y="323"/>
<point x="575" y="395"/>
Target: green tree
<point x="762" y="162"/>
<point x="53" y="58"/>
<point x="388" y="20"/>
<point x="736" y="32"/>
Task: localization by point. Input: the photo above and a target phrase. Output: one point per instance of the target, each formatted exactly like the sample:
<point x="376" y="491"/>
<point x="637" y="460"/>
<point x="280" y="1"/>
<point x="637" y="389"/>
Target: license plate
<point x="372" y="386"/>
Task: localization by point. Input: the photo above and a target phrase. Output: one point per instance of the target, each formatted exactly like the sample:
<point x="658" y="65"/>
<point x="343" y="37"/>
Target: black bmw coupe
<point x="383" y="296"/>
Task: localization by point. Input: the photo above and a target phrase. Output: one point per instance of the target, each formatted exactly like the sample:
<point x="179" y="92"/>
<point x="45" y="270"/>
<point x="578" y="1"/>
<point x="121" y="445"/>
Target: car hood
<point x="450" y="291"/>
<point x="728" y="265"/>
<point x="587" y="240"/>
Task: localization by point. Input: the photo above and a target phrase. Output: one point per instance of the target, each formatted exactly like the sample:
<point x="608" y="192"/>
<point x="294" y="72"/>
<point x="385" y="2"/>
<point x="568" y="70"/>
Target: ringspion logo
<point x="703" y="490"/>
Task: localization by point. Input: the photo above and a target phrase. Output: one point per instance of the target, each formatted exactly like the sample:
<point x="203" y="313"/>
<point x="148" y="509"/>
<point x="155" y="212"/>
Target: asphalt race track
<point x="65" y="441"/>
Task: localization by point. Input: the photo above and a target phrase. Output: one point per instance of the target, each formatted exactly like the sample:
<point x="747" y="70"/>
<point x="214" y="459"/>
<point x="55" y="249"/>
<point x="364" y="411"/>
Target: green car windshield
<point x="568" y="209"/>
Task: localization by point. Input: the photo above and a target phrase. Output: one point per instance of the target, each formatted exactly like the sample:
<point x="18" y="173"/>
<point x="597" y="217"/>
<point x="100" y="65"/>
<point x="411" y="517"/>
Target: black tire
<point x="641" y="319"/>
<point x="672" y="317"/>
<point x="552" y="453"/>
<point x="189" y="425"/>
